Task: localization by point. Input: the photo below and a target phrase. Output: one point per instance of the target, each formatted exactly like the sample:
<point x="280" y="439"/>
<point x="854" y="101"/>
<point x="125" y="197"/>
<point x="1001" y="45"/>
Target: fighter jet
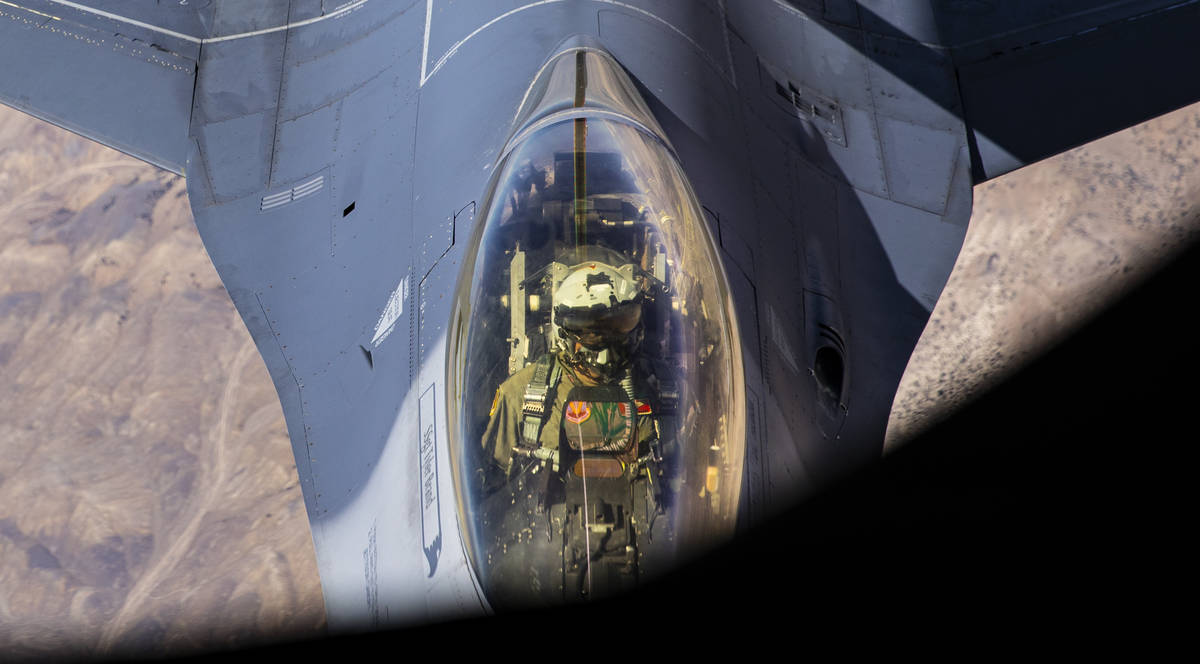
<point x="560" y="295"/>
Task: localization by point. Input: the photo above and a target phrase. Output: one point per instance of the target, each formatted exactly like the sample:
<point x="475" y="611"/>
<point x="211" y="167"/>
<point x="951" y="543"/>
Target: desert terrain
<point x="1047" y="248"/>
<point x="148" y="495"/>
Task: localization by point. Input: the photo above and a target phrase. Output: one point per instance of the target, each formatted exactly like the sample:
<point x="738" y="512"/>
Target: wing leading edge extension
<point x="125" y="85"/>
<point x="1030" y="79"/>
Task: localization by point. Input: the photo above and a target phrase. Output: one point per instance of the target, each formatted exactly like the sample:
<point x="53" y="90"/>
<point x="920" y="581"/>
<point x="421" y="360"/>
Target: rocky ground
<point x="1047" y="248"/>
<point x="148" y="496"/>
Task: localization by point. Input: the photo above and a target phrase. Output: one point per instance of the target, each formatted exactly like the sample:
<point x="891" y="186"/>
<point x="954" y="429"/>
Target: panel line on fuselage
<point x="450" y="52"/>
<point x="207" y="40"/>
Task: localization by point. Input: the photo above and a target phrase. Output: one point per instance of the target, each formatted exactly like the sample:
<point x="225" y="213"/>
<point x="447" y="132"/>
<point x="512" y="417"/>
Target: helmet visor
<point x="600" y="326"/>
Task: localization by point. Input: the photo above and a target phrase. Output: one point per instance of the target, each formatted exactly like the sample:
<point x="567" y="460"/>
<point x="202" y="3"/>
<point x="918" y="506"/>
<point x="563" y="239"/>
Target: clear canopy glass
<point x="597" y="408"/>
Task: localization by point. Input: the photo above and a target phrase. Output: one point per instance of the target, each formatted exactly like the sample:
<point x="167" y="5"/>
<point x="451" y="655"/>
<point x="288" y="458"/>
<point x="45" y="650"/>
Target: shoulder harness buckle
<point x="538" y="399"/>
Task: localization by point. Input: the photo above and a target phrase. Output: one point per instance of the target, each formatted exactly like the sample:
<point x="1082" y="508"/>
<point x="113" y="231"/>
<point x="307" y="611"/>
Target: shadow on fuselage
<point x="1063" y="482"/>
<point x="817" y="243"/>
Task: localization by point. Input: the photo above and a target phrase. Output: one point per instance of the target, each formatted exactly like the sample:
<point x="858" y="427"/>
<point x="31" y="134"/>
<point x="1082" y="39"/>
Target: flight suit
<point x="503" y="431"/>
<point x="599" y="526"/>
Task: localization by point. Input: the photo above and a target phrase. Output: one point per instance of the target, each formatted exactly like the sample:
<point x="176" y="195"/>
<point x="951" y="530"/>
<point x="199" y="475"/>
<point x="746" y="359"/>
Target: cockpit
<point x="597" y="408"/>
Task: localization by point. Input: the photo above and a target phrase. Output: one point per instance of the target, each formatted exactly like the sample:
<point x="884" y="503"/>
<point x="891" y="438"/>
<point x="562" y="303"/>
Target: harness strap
<point x="538" y="400"/>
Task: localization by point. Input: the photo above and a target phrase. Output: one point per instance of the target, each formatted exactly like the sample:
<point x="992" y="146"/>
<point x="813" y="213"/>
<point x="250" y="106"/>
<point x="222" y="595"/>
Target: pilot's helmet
<point x="598" y="311"/>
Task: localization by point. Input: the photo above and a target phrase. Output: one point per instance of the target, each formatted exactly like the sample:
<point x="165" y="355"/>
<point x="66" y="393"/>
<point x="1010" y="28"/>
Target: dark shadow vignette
<point x="1055" y="498"/>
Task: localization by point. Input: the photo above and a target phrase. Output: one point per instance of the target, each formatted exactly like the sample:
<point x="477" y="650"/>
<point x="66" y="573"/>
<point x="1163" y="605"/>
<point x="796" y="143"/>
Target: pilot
<point x="585" y="436"/>
<point x="591" y="393"/>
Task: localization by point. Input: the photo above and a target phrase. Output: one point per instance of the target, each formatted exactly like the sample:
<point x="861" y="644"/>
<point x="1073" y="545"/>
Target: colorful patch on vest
<point x="643" y="408"/>
<point x="578" y="412"/>
<point x="602" y="426"/>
